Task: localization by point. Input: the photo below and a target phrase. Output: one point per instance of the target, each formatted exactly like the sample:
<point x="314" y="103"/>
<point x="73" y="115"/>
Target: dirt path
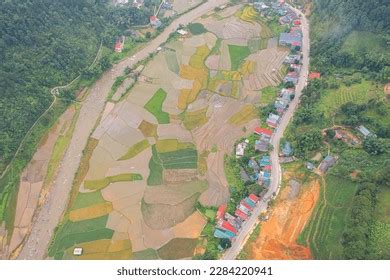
<point x="37" y="243"/>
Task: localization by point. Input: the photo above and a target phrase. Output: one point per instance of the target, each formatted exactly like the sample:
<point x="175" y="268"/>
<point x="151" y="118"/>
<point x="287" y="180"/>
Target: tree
<point x="225" y="243"/>
<point x="148" y="35"/>
<point x="374" y="145"/>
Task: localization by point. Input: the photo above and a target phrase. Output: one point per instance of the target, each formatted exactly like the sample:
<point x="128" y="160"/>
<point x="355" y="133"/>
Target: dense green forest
<point x="44" y="43"/>
<point x="351" y="34"/>
<point x="349" y="46"/>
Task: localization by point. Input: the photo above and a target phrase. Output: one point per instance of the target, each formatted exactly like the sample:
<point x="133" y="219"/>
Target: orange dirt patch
<point x="278" y="235"/>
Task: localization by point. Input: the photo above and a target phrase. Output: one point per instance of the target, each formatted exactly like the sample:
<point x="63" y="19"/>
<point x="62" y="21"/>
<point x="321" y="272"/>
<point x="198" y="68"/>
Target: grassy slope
<point x="324" y="231"/>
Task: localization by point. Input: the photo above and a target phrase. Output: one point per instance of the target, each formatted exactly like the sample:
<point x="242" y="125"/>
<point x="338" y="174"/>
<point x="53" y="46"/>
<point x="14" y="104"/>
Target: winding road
<point x="276" y="176"/>
<point x="48" y="217"/>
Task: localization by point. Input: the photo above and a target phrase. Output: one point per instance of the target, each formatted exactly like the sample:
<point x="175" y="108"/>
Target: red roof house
<point x="119" y="44"/>
<point x="263" y="131"/>
<point x="154" y="21"/>
<point x="297" y="22"/>
<point x="254" y="198"/>
<point x="241" y="214"/>
<point x="228" y="226"/>
<point x="221" y="211"/>
<point x="314" y="75"/>
<point x="268" y="167"/>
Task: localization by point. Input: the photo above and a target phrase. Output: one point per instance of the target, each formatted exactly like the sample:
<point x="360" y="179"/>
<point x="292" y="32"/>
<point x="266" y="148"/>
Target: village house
<point x="363" y="130"/>
<point x="291" y="77"/>
<point x="327" y="163"/>
<point x="287" y="149"/>
<point x="241" y="214"/>
<point x="273" y="120"/>
<point x="138" y="4"/>
<point x="253" y="164"/>
<point x="314" y="75"/>
<point x="221" y="212"/>
<point x="240" y="149"/>
<point x="155" y="22"/>
<point x="292" y="58"/>
<point x="310" y="166"/>
<point x="290" y="39"/>
<point x="119" y="44"/>
<point x="235" y="221"/>
<point x="167" y="5"/>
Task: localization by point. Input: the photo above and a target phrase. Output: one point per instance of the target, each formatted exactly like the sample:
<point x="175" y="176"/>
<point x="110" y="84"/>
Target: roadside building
<point x="250" y="202"/>
<point x="273" y="120"/>
<point x="246" y="205"/>
<point x="261" y="145"/>
<point x="264" y="161"/>
<point x="291" y="77"/>
<point x="237" y="223"/>
<point x="287" y="149"/>
<point x="155" y="22"/>
<point x="290" y="39"/>
<point x="241" y="214"/>
<point x="253" y="164"/>
<point x="218" y="233"/>
<point x="254" y="198"/>
<point x="314" y="75"/>
<point x="263" y="132"/>
<point x="225" y="225"/>
<point x="221" y="212"/>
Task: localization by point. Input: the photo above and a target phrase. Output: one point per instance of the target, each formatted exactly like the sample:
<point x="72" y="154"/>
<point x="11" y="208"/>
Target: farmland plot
<point x="160" y="149"/>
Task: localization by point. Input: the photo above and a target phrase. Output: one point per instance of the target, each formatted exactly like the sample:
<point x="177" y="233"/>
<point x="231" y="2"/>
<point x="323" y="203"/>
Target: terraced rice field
<point x="324" y="231"/>
<point x="154" y="106"/>
<point x="357" y="93"/>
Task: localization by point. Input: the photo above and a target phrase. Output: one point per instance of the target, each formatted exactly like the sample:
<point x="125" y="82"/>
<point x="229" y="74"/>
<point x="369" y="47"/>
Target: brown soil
<point x="278" y="235"/>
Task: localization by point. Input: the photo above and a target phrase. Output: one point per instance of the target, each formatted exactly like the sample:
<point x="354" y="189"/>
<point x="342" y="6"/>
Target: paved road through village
<point x="36" y="244"/>
<point x="276" y="175"/>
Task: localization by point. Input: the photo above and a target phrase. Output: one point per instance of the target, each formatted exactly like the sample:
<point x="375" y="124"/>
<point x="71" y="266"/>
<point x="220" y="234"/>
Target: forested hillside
<point x="351" y="33"/>
<point x="350" y="47"/>
<point x="44" y="43"/>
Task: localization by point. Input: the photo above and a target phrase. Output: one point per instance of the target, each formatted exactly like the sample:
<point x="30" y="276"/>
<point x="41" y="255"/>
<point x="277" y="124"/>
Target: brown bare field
<point x="278" y="235"/>
<point x="162" y="216"/>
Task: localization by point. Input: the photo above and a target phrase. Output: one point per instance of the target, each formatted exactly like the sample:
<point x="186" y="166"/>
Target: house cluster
<point x="167" y="5"/>
<point x="293" y="38"/>
<point x="269" y="7"/>
<point x="286" y="95"/>
<point x="227" y="225"/>
<point x="262" y="144"/>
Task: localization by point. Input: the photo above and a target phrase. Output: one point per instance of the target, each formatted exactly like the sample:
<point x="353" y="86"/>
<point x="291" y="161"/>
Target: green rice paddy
<point x="155" y="104"/>
<point x="72" y="233"/>
<point x="237" y="55"/>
